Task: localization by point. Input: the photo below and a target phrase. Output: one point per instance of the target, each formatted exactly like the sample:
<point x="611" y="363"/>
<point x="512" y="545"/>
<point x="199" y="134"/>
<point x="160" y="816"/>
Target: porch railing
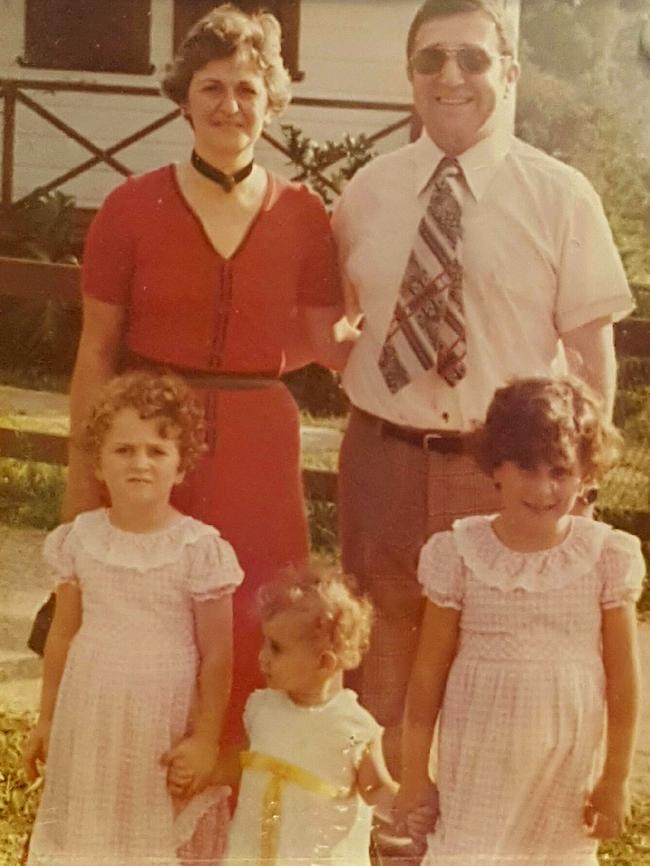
<point x="15" y="92"/>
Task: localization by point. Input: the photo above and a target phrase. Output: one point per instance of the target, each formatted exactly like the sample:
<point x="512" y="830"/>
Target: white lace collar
<point x="136" y="550"/>
<point x="496" y="565"/>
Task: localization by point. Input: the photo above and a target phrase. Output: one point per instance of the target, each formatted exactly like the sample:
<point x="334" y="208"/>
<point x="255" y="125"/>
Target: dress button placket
<point x="222" y="308"/>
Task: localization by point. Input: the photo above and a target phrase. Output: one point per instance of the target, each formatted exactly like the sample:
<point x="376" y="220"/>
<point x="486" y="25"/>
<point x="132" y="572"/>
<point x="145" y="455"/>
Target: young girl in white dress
<point x="137" y="664"/>
<point x="315" y="767"/>
<point x="528" y="648"/>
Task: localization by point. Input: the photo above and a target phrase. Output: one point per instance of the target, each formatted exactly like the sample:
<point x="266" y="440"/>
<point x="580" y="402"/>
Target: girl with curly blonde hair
<point x="138" y="661"/>
<point x="314" y="766"/>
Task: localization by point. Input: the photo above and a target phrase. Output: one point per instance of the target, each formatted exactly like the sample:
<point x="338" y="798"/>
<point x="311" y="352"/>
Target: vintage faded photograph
<point x="325" y="433"/>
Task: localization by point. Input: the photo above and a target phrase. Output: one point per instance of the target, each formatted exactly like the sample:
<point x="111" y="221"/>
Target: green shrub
<point x="37" y="332"/>
<point x="30" y="493"/>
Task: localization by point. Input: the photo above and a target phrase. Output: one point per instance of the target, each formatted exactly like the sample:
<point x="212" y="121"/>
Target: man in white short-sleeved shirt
<point x="542" y="284"/>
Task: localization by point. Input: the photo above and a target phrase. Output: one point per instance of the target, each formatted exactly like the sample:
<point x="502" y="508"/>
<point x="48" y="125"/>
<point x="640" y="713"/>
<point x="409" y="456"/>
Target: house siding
<point x="350" y="49"/>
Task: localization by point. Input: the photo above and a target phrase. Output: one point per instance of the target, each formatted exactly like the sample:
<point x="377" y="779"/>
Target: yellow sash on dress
<point x="282" y="773"/>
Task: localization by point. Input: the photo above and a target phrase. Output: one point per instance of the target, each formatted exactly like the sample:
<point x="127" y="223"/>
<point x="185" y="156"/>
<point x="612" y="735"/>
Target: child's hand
<point x="422" y="820"/>
<point x="191" y="765"/>
<point x="416" y="812"/>
<point x="606" y="809"/>
<point x="36" y="749"/>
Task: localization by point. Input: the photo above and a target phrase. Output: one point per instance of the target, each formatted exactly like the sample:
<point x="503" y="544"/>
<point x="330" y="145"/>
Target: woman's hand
<point x="36" y="749"/>
<point x="192" y="764"/>
<point x="607" y="808"/>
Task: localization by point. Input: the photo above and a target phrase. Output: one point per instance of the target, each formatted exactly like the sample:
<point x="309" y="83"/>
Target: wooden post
<point x="9" y="89"/>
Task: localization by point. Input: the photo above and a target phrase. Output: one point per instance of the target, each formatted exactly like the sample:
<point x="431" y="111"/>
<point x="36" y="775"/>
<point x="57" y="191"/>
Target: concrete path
<point x="24" y="586"/>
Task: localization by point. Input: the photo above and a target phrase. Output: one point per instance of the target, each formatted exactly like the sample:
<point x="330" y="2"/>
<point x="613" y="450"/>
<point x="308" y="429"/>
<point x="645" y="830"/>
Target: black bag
<point x="41" y="625"/>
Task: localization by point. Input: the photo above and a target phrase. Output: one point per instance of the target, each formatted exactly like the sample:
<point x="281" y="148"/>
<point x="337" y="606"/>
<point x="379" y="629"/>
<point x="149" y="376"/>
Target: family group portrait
<point x="325" y="433"/>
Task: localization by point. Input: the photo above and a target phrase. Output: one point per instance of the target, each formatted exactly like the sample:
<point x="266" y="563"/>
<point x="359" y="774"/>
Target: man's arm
<point x="591" y="357"/>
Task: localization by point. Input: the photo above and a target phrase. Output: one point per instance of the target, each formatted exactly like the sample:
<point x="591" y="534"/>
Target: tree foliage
<point x="584" y="97"/>
<point x="325" y="167"/>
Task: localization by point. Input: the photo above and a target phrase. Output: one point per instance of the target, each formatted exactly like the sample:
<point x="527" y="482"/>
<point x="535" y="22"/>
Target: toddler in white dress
<point x="528" y="648"/>
<point x="314" y="766"/>
<point x="138" y="660"/>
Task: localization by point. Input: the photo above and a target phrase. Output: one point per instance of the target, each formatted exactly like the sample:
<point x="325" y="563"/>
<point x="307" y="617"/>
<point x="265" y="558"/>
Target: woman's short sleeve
<point x="623" y="569"/>
<point x="213" y="569"/>
<point x="108" y="259"/>
<point x="59" y="549"/>
<point x="320" y="284"/>
<point x="440" y="571"/>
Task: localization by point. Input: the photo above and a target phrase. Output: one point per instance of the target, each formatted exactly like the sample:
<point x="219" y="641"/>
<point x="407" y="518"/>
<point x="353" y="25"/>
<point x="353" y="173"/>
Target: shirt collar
<point x="479" y="163"/>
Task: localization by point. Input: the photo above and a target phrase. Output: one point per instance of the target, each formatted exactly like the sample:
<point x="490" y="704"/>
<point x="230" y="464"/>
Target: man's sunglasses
<point x="470" y="58"/>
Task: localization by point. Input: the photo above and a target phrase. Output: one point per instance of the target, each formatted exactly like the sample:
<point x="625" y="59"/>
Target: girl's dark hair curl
<point x="546" y="420"/>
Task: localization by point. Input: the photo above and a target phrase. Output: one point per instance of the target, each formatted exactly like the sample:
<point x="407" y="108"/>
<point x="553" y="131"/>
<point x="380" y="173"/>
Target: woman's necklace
<point x="227" y="182"/>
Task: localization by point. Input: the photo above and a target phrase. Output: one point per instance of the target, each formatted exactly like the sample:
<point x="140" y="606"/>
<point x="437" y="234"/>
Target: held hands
<point x="36" y="749"/>
<point x="606" y="809"/>
<point x="416" y="813"/>
<point x="191" y="765"/>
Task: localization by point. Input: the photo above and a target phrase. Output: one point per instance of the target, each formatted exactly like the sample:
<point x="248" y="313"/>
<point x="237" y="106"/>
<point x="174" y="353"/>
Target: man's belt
<point x="438" y="441"/>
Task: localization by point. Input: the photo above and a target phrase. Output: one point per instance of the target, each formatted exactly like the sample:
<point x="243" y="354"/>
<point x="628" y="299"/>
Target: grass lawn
<point x="19" y="800"/>
<point x="30" y="493"/>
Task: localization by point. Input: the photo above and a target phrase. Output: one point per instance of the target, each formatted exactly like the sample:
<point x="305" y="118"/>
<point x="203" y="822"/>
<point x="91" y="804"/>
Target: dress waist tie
<point x="282" y="773"/>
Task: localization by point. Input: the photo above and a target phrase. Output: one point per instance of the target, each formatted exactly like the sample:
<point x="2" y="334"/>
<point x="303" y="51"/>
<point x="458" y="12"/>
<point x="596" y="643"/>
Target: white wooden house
<point x="80" y="77"/>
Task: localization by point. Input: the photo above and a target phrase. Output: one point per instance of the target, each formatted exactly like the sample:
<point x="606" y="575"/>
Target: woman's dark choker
<point x="227" y="182"/>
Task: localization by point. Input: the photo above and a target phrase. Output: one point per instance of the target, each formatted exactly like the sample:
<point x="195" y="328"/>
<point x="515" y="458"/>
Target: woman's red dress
<point x="187" y="306"/>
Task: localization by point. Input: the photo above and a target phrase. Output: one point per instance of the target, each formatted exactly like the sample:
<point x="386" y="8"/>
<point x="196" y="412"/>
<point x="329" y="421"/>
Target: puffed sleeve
<point x="213" y="569"/>
<point x="109" y="250"/>
<point x="252" y="709"/>
<point x="366" y="731"/>
<point x="623" y="569"/>
<point x="59" y="549"/>
<point x="319" y="281"/>
<point x="440" y="571"/>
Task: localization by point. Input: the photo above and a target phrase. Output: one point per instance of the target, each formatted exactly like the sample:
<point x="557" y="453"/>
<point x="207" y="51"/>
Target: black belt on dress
<point x="202" y="378"/>
<point x="439" y="441"/>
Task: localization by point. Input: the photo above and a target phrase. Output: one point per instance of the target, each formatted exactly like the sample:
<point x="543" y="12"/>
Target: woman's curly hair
<point x="222" y="33"/>
<point x="336" y="616"/>
<point x="164" y="397"/>
<point x="546" y="420"/>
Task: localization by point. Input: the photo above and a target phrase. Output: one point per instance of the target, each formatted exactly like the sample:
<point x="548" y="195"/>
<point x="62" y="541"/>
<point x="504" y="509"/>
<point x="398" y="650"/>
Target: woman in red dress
<point x="225" y="273"/>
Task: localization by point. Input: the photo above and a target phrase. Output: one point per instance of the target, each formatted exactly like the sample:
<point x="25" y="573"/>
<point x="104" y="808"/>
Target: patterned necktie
<point x="428" y="324"/>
